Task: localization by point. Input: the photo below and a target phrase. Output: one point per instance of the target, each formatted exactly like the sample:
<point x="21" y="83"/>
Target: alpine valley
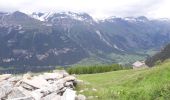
<point x="67" y="38"/>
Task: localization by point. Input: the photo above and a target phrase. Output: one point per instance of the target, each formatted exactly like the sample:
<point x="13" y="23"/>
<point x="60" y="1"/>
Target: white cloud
<point x="97" y="8"/>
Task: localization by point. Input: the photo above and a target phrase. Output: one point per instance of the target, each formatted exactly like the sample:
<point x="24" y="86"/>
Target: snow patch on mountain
<point x="130" y="19"/>
<point x="116" y="47"/>
<point x="136" y="19"/>
<point x="62" y="15"/>
<point x="42" y="16"/>
<point x="75" y="16"/>
<point x="102" y="38"/>
<point x="113" y="19"/>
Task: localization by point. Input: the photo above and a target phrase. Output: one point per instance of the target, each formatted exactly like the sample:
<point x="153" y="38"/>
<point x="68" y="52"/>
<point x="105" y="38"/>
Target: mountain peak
<point x="142" y="18"/>
<point x="136" y="19"/>
<point x="76" y="16"/>
<point x="41" y="16"/>
<point x="18" y="13"/>
<point x="61" y="15"/>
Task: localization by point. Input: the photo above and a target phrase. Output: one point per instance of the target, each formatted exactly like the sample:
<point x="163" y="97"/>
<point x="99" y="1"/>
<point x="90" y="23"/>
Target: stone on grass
<point x="93" y="89"/>
<point x="80" y="97"/>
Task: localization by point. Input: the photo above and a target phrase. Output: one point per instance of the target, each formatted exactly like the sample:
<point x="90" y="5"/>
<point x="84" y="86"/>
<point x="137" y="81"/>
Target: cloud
<point x="97" y="8"/>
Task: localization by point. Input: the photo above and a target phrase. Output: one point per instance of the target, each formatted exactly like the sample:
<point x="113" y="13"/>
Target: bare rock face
<point x="57" y="85"/>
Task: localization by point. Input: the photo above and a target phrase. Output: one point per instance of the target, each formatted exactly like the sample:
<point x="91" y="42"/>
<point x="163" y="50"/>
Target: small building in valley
<point x="138" y="64"/>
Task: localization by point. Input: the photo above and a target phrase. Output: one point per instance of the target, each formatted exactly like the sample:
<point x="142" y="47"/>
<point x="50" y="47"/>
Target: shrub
<point x="93" y="69"/>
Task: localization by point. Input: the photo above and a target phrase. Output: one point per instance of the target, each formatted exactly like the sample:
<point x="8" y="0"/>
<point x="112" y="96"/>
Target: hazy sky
<point x="96" y="8"/>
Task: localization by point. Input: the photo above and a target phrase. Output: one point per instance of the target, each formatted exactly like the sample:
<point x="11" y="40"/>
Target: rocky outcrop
<point x="58" y="85"/>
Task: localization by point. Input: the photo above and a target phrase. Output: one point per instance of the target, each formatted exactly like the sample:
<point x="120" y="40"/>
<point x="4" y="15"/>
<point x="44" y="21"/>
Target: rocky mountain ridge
<point x="162" y="55"/>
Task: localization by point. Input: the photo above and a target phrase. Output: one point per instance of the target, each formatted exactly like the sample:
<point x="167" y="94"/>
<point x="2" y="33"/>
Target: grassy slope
<point x="117" y="58"/>
<point x="141" y="84"/>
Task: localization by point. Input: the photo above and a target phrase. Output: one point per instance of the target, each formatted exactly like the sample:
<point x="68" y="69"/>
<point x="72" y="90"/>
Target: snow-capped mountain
<point x="66" y="38"/>
<point x="61" y="15"/>
<point x="129" y="19"/>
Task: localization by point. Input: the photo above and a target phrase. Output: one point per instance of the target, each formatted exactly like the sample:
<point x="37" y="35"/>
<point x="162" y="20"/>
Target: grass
<point x="141" y="84"/>
<point x="124" y="59"/>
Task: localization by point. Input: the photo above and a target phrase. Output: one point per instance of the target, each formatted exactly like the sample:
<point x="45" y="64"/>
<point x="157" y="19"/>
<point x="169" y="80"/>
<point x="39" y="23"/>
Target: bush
<point x="93" y="69"/>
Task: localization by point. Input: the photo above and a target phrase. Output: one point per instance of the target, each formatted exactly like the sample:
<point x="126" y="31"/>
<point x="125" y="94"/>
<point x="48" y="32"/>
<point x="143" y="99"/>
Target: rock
<point x="50" y="81"/>
<point x="27" y="86"/>
<point x="24" y="91"/>
<point x="23" y="98"/>
<point x="62" y="90"/>
<point x="5" y="90"/>
<point x="4" y="77"/>
<point x="80" y="97"/>
<point x="52" y="96"/>
<point x="48" y="86"/>
<point x="15" y="93"/>
<point x="37" y="82"/>
<point x="15" y="79"/>
<point x="37" y="95"/>
<point x="69" y="84"/>
<point x="66" y="79"/>
<point x="57" y="97"/>
<point x="57" y="88"/>
<point x="69" y="95"/>
<point x="3" y="93"/>
<point x="63" y="72"/>
<point x="27" y="76"/>
<point x="52" y="76"/>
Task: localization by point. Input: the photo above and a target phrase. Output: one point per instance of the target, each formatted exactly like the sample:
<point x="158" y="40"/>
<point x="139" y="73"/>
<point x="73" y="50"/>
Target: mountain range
<point x="66" y="38"/>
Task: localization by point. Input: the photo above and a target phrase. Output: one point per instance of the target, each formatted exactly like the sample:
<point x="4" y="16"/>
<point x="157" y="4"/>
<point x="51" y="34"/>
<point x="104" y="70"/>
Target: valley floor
<point x="139" y="84"/>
